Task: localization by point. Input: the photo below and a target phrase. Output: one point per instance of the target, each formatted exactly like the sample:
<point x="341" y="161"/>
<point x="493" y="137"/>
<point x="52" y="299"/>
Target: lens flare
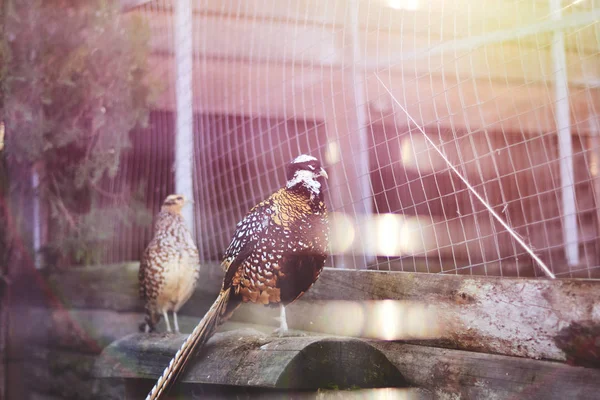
<point x="332" y="154"/>
<point x="404" y="4"/>
<point x="342" y="232"/>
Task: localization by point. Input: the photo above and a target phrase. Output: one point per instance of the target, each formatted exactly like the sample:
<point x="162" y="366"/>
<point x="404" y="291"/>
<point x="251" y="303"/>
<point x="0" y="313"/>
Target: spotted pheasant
<point x="170" y="266"/>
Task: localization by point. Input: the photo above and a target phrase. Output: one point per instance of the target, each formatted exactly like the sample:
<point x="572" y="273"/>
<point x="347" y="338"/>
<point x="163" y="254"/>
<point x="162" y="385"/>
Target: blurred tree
<point x="4" y="237"/>
<point x="75" y="85"/>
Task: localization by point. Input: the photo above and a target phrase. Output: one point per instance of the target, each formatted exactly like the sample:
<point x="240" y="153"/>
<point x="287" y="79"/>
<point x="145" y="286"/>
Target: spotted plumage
<point x="169" y="267"/>
<point x="283" y="242"/>
<point x="277" y="252"/>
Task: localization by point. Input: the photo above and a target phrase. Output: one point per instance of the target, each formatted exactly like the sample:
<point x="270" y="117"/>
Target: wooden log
<point x="136" y="389"/>
<point x="511" y="316"/>
<point x="529" y="318"/>
<point x="87" y="331"/>
<point x="115" y="287"/>
<point x="43" y="396"/>
<point x="250" y="358"/>
<point x="455" y="374"/>
<point x="60" y="373"/>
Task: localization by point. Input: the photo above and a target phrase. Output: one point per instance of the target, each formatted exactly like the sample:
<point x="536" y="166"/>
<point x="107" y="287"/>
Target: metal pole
<point x="360" y="143"/>
<point x="184" y="139"/>
<point x="565" y="145"/>
<point x="36" y="218"/>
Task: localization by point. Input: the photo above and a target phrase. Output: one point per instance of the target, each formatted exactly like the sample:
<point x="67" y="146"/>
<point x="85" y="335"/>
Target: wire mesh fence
<point x="429" y="117"/>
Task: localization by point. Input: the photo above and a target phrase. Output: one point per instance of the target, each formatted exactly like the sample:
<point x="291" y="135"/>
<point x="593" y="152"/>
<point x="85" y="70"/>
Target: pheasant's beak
<point x="323" y="173"/>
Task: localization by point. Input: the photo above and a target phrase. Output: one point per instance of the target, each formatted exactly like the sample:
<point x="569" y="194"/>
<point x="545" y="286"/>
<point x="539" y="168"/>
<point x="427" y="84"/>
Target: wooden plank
<point x="115" y="287"/>
<point x="88" y="331"/>
<point x="250" y="358"/>
<point x="490" y="314"/>
<point x="61" y="373"/>
<point x="444" y="372"/>
<point x="246" y="357"/>
<point x="44" y="396"/>
<point x="504" y="316"/>
<point x="465" y="375"/>
<point x="139" y="389"/>
<point x="556" y="320"/>
<point x="119" y="295"/>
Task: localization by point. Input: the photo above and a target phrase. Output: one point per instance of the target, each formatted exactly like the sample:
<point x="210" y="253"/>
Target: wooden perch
<point x="535" y="318"/>
<point x="456" y="374"/>
<point x="250" y="358"/>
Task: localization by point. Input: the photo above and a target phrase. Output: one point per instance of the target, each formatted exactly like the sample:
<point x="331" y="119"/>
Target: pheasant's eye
<point x="312" y="167"/>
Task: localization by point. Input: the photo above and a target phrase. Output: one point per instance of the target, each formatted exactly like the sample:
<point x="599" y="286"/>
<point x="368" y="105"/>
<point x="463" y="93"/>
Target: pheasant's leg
<point x="175" y="322"/>
<point x="166" y="316"/>
<point x="283" y="326"/>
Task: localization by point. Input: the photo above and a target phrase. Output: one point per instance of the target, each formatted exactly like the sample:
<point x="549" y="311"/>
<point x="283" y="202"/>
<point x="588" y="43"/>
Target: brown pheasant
<point x="170" y="266"/>
<point x="277" y="252"/>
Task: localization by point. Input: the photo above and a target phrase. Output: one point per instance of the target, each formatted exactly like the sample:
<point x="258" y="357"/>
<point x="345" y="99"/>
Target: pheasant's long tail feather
<point x="201" y="333"/>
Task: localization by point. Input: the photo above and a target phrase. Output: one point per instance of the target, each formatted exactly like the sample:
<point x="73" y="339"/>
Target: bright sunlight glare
<point x="404" y="4"/>
<point x="384" y="319"/>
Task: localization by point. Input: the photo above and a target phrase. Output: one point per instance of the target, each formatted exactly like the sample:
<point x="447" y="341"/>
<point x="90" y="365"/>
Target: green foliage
<point x="75" y="85"/>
